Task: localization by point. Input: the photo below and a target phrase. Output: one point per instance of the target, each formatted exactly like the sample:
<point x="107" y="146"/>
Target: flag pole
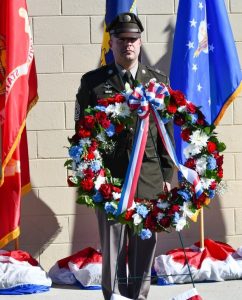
<point x="16" y="243"/>
<point x="201" y="228"/>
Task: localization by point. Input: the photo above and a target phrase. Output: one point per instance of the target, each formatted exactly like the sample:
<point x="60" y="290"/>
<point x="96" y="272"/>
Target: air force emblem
<point x="202" y="39"/>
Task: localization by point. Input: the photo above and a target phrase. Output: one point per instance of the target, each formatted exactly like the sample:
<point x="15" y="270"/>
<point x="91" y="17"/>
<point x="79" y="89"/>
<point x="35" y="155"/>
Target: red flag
<point x="18" y="93"/>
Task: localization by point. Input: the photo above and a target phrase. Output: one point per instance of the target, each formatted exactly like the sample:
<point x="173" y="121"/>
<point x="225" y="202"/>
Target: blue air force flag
<point x="205" y="64"/>
<point x="113" y="8"/>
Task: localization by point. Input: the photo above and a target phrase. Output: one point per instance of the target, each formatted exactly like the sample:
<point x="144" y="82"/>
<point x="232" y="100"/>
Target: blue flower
<point x="185" y="195"/>
<point x="145" y="234"/>
<point x="194" y="118"/>
<point x="98" y="197"/>
<point x="211" y="194"/>
<point x="109" y="208"/>
<point x="211" y="163"/>
<point x="75" y="152"/>
<point x="110" y="130"/>
<point x="142" y="210"/>
<point x="100" y="107"/>
<point x="176" y="217"/>
<point x="95" y="165"/>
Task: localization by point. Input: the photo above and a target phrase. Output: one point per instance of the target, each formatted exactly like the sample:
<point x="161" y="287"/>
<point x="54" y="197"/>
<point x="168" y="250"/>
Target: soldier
<point x="125" y="42"/>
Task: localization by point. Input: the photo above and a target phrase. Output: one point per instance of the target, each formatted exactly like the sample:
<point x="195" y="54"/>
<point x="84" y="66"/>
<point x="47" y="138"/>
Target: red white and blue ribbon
<point x="145" y="100"/>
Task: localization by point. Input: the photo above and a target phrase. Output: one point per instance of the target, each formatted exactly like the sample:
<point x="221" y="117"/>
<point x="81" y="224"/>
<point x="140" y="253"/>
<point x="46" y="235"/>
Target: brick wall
<point x="67" y="37"/>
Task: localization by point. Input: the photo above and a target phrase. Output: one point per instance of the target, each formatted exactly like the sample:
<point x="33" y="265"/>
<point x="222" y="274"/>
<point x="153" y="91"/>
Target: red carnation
<point x="171" y="108"/>
<point x="89" y="173"/>
<point x="103" y="102"/>
<point x="89" y="122"/>
<point x="119" y="128"/>
<point x="185" y="134"/>
<point x="190" y="163"/>
<point x="220" y="173"/>
<point x="179" y="97"/>
<point x="156" y="210"/>
<point x="211" y="146"/>
<point x="191" y="107"/>
<point x="165" y="222"/>
<point x="151" y="222"/>
<point x="89" y="156"/>
<point x="129" y="214"/>
<point x="116" y="189"/>
<point x="219" y="160"/>
<point x="200" y="121"/>
<point x="100" y="115"/>
<point x="173" y="209"/>
<point x="138" y="200"/>
<point x="106" y="190"/>
<point x="200" y="201"/>
<point x="87" y="184"/>
<point x="84" y="133"/>
<point x="213" y="185"/>
<point x="93" y="146"/>
<point x="179" y="120"/>
<point x="105" y="123"/>
<point x="119" y="98"/>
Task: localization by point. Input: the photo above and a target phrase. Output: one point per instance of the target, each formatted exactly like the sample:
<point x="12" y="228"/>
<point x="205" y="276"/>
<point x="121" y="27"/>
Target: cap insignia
<point x="126" y="18"/>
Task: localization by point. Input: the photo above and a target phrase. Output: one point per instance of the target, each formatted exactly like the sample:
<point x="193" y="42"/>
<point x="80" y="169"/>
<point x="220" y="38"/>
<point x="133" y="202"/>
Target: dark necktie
<point x="128" y="78"/>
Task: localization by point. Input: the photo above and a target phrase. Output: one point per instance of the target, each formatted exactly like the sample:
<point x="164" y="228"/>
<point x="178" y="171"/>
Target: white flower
<point x="122" y="109"/>
<point x="100" y="180"/>
<point x="206" y="182"/>
<point x="116" y="196"/>
<point x="199" y="138"/>
<point x="82" y="166"/>
<point x="101" y="137"/>
<point x="162" y="205"/>
<point x="182" y="108"/>
<point x="186" y="210"/>
<point x="137" y="219"/>
<point x="191" y="150"/>
<point x="181" y="223"/>
<point x="201" y="164"/>
<point x="85" y="141"/>
<point x="97" y="154"/>
<point x="110" y="109"/>
<point x="160" y="216"/>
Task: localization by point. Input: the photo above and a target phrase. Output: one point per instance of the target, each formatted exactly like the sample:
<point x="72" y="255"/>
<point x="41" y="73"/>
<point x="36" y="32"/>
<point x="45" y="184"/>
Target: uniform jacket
<point x="105" y="82"/>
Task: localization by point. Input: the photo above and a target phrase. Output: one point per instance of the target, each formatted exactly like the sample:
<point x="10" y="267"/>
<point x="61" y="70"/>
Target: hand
<point x="166" y="187"/>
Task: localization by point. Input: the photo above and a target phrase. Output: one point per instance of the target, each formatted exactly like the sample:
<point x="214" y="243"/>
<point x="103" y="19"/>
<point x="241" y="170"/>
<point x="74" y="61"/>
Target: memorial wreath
<point x="200" y="176"/>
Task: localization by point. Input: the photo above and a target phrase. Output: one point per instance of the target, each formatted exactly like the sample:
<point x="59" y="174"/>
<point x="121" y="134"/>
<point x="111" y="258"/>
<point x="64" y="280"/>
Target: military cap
<point x="126" y="25"/>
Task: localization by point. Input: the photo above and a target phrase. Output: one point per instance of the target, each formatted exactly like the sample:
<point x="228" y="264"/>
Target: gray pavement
<point x="228" y="290"/>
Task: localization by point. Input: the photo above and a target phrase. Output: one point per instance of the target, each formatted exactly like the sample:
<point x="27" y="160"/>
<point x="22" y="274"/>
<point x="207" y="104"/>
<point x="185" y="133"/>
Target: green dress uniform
<point x="156" y="168"/>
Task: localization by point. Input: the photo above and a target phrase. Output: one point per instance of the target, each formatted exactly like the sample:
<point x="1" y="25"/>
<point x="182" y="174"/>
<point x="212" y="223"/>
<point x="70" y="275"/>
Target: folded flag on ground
<point x="216" y="262"/>
<point x="21" y="274"/>
<point x="83" y="268"/>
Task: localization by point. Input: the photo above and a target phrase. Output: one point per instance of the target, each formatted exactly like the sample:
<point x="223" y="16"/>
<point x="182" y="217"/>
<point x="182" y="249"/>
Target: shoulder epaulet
<point x="92" y="72"/>
<point x="155" y="70"/>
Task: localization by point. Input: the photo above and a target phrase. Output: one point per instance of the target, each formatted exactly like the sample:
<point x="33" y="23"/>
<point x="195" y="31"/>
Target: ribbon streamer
<point x="144" y="101"/>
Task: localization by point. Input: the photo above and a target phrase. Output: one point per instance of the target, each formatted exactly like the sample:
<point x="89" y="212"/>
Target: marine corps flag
<point x="18" y="93"/>
<point x="113" y="8"/>
<point x="205" y="64"/>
